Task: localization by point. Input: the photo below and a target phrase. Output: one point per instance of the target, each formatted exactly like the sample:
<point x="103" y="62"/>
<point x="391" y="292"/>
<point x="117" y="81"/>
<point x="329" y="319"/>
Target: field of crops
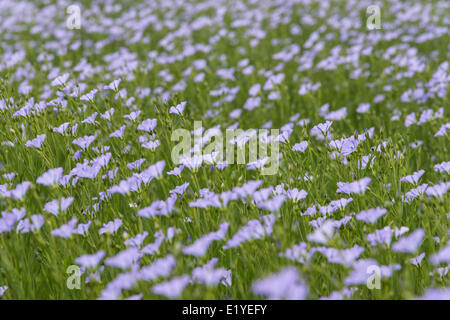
<point x="224" y="149"/>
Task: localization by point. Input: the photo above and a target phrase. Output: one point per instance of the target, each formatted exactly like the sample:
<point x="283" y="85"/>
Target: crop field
<point x="224" y="149"/>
